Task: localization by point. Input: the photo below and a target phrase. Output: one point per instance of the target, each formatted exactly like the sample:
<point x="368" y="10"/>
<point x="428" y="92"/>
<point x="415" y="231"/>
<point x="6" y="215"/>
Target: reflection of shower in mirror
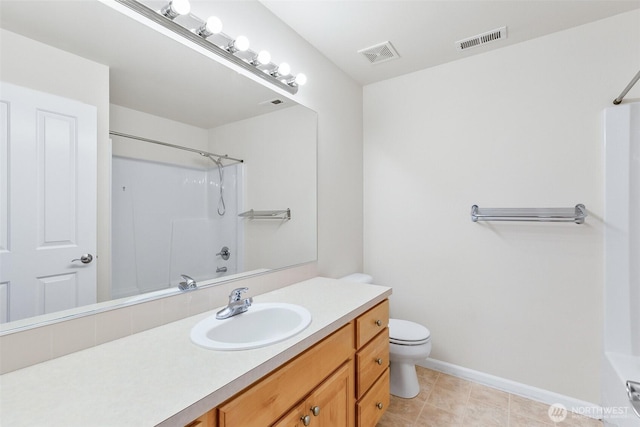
<point x="166" y="222"/>
<point x="221" y="206"/>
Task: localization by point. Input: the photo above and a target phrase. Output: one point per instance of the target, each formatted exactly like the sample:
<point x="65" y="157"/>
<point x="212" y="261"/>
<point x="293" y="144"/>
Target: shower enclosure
<point x="169" y="220"/>
<point x="621" y="361"/>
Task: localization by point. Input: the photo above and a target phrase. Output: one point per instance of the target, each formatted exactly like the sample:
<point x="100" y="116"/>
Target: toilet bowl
<point x="409" y="343"/>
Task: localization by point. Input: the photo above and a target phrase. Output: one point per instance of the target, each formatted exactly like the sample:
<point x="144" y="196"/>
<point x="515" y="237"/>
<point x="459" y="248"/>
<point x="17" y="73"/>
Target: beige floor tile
<point x="427" y="376"/>
<point x="394" y="420"/>
<point x="489" y="396"/>
<point x="516" y="420"/>
<point x="529" y="409"/>
<point x="463" y="387"/>
<point x="449" y="400"/>
<point x="482" y="414"/>
<point x="406" y="408"/>
<point x="432" y="416"/>
<point x="575" y="420"/>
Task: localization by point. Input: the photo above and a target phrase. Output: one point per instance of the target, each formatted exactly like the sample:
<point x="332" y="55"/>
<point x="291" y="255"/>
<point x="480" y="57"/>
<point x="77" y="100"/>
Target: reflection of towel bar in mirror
<point x="576" y="214"/>
<point x="281" y="214"/>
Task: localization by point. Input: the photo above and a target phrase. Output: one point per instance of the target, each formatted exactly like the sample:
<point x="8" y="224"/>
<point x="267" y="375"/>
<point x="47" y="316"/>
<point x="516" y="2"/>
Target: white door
<point x="47" y="203"/>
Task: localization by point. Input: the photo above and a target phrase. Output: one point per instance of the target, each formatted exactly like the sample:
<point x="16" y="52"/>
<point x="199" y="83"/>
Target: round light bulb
<point x="214" y="25"/>
<point x="284" y="69"/>
<point x="264" y="57"/>
<point x="301" y="79"/>
<point x="241" y="43"/>
<point x="181" y="7"/>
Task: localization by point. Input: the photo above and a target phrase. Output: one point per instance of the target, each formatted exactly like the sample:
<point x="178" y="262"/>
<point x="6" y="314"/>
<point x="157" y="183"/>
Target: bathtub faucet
<point x="236" y="305"/>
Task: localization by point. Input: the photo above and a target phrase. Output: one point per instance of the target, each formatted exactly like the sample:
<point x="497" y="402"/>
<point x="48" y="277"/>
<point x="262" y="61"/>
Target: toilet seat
<point x="405" y="332"/>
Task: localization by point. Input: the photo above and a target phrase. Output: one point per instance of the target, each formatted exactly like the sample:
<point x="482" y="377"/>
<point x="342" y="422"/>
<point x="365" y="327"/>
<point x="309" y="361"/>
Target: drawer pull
<point x="379" y="405"/>
<point x="379" y="322"/>
<point x="379" y="361"/>
<point x="315" y="410"/>
<point x="306" y="420"/>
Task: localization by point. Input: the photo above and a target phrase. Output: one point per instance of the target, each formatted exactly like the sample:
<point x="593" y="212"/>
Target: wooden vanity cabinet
<point x="329" y="405"/>
<point x="208" y="419"/>
<point x="372" y="365"/>
<point x="342" y="381"/>
<point x="265" y="402"/>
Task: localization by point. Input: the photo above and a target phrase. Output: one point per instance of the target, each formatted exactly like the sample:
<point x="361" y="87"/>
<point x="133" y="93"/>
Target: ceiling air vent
<point x="480" y="39"/>
<point x="380" y="53"/>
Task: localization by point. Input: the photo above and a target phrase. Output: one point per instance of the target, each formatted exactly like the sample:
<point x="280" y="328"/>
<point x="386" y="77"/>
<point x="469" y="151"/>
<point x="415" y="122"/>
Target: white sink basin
<point x="262" y="325"/>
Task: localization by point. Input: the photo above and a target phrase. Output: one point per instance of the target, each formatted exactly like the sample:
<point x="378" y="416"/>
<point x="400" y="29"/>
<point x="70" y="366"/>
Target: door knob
<point x="306" y="420"/>
<point x="85" y="259"/>
<point x="315" y="410"/>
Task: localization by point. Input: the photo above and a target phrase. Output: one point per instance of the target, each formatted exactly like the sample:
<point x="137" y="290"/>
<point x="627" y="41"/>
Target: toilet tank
<point x="358" y="278"/>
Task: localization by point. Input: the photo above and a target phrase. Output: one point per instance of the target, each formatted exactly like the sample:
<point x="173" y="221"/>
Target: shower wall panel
<point x="165" y="223"/>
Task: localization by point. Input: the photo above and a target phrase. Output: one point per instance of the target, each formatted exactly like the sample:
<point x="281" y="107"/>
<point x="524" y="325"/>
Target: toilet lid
<point x="408" y="332"/>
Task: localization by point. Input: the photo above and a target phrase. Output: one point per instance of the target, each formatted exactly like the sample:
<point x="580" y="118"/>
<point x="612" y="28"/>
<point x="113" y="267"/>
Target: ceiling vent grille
<point x="484" y="38"/>
<point x="382" y="52"/>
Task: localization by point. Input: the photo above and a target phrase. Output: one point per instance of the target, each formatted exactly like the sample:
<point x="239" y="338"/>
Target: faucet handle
<point x="236" y="294"/>
<point x="188" y="283"/>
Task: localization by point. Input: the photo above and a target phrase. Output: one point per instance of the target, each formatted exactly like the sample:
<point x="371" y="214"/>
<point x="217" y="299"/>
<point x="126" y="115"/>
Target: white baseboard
<point x="578" y="406"/>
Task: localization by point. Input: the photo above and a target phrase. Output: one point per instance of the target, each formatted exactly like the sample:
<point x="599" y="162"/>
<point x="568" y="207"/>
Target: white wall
<point x="338" y="101"/>
<point x="279" y="153"/>
<point x="516" y="127"/>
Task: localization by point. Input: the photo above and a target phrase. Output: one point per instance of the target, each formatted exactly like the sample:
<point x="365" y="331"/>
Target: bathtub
<point x="621" y="356"/>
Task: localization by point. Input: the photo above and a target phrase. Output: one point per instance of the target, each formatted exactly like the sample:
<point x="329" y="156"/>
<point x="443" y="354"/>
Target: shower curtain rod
<point x="633" y="81"/>
<point x="166" y="144"/>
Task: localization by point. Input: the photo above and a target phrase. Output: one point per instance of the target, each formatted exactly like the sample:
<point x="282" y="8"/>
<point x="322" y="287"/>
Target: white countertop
<point x="159" y="377"/>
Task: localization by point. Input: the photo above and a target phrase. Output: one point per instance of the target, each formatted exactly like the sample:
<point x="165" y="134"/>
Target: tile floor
<point x="446" y="401"/>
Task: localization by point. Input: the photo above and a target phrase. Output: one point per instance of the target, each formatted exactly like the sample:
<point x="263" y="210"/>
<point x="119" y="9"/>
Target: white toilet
<point x="409" y="343"/>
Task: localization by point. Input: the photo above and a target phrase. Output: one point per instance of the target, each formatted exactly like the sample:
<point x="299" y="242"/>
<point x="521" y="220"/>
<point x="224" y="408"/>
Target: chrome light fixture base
<point x="168" y="23"/>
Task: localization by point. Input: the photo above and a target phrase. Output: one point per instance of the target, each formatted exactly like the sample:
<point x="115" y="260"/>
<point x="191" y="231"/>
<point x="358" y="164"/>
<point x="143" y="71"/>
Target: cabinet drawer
<point x="369" y="324"/>
<point x="371" y="361"/>
<point x="268" y="399"/>
<point x="374" y="403"/>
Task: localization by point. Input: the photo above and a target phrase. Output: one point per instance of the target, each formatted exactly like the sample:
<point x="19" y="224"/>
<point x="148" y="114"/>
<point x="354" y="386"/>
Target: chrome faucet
<point x="188" y="284"/>
<point x="236" y="305"/>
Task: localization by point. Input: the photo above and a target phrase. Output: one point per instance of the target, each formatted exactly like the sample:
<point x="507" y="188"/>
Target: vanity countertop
<point x="159" y="377"/>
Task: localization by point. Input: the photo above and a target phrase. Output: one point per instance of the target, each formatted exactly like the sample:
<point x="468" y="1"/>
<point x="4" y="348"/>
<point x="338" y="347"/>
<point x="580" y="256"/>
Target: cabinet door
<point x="329" y="405"/>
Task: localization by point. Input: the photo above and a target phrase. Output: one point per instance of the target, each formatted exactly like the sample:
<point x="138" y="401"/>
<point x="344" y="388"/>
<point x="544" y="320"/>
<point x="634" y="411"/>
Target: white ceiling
<point x="147" y="71"/>
<point x="424" y="32"/>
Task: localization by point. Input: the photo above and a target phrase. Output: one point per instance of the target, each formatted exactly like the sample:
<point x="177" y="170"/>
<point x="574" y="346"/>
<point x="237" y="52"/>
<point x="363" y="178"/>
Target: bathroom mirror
<point x="160" y="212"/>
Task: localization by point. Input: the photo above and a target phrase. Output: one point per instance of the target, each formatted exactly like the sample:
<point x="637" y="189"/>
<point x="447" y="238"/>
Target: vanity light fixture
<point x="175" y="8"/>
<point x="233" y="50"/>
<point x="283" y="69"/>
<point x="299" y="80"/>
<point x="212" y="26"/>
<point x="241" y="44"/>
<point x="262" y="58"/>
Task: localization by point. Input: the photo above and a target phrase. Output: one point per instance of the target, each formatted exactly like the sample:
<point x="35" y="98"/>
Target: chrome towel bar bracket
<point x="576" y="214"/>
<point x="284" y="214"/>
